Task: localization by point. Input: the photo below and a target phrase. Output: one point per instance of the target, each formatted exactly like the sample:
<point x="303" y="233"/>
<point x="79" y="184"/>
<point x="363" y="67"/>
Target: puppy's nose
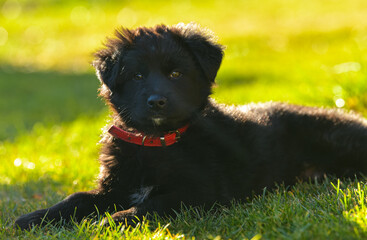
<point x="157" y="101"/>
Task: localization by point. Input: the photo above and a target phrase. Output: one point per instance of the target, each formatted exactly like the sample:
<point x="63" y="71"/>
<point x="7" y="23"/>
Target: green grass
<point x="304" y="52"/>
<point x="328" y="210"/>
<point x="46" y="98"/>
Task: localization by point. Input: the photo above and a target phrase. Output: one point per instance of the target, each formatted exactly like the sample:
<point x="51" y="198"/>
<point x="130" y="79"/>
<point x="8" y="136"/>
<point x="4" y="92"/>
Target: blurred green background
<point x="306" y="51"/>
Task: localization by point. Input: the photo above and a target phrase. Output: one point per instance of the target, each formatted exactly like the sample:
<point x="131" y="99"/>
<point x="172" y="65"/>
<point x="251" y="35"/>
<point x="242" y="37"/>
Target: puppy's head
<point x="156" y="79"/>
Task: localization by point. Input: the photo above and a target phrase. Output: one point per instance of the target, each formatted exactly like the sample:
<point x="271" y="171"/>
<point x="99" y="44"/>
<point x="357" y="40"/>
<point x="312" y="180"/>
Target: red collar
<point x="141" y="139"/>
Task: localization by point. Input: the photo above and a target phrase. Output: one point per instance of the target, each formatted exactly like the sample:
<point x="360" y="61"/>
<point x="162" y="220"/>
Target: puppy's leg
<point x="162" y="205"/>
<point x="76" y="206"/>
<point x="342" y="150"/>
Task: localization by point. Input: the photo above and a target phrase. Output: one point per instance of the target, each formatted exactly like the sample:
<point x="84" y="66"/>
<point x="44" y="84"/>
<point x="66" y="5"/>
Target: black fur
<point x="227" y="152"/>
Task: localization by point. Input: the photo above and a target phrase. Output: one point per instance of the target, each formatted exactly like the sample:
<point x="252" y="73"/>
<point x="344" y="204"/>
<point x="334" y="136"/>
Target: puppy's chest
<point x="140" y="195"/>
<point x="155" y="171"/>
<point x="150" y="171"/>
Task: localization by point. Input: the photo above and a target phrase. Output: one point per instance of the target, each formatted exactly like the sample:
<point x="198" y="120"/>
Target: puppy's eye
<point x="138" y="76"/>
<point x="175" y="75"/>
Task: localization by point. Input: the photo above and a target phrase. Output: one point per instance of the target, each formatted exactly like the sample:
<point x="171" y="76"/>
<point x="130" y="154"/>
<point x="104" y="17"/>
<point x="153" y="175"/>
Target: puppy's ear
<point x="203" y="45"/>
<point x="107" y="70"/>
<point x="107" y="61"/>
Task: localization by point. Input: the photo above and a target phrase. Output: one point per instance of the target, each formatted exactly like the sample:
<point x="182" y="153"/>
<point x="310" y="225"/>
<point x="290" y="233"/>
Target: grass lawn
<point x="305" y="52"/>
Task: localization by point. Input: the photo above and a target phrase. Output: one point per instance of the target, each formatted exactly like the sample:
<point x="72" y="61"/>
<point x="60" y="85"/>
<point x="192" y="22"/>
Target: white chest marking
<point x="141" y="195"/>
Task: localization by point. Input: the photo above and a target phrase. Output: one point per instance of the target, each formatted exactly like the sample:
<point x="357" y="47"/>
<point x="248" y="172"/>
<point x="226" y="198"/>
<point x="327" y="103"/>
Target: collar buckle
<point x="163" y="141"/>
<point x="178" y="135"/>
<point x="143" y="140"/>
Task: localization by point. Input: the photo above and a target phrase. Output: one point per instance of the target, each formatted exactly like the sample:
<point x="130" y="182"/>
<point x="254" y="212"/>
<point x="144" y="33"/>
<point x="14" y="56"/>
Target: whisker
<point x="125" y="114"/>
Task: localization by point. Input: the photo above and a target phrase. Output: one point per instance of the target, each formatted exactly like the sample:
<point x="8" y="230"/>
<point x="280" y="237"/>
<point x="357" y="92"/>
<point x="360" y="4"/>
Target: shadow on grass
<point x="45" y="97"/>
<point x="18" y="199"/>
<point x="233" y="79"/>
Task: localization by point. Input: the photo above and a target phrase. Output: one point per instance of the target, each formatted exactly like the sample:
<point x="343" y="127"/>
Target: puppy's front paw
<point x="31" y="219"/>
<point x="127" y="218"/>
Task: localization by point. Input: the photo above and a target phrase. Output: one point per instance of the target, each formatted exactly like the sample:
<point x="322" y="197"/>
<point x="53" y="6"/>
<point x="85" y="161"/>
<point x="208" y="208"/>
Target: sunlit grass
<point x="353" y="201"/>
<point x="37" y="40"/>
<point x="304" y="52"/>
<point x="54" y="152"/>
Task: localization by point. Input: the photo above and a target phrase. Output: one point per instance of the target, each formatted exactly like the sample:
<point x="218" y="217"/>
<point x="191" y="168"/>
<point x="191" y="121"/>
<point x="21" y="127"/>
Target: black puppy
<point x="170" y="144"/>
